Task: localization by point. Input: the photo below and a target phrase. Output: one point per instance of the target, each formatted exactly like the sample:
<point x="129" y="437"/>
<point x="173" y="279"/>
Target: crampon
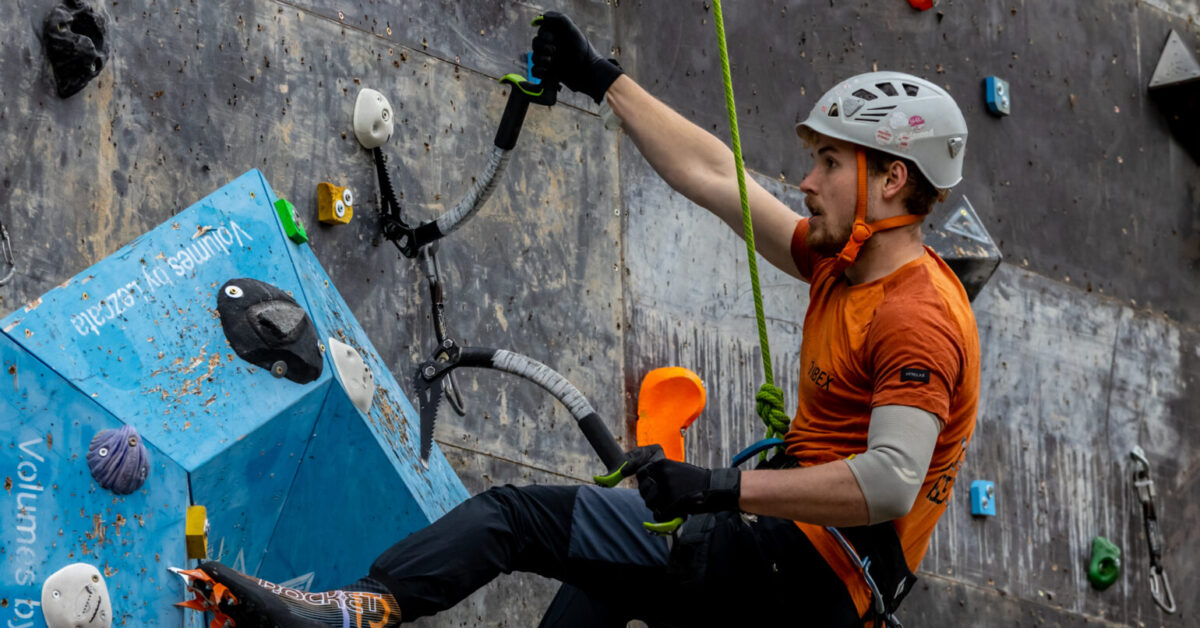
<point x="209" y="596"/>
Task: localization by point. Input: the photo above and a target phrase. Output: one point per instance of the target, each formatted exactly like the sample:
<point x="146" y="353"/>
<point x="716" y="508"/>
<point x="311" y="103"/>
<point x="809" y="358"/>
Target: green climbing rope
<point x="769" y="400"/>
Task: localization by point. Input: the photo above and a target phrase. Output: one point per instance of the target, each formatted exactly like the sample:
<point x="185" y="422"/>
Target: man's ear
<point x="897" y="178"/>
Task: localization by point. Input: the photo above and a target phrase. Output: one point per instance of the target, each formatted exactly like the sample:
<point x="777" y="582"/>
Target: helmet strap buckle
<point x="862" y="231"/>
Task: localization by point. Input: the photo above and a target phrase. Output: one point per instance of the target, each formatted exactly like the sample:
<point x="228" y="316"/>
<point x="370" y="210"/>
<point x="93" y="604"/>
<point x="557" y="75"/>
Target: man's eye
<point x="829" y="163"/>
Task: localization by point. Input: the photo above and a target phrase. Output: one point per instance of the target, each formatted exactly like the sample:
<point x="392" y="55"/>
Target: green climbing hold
<point x="291" y="222"/>
<point x="1105" y="567"/>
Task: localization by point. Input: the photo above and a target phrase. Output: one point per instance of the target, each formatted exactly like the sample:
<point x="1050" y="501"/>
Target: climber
<point x="887" y="400"/>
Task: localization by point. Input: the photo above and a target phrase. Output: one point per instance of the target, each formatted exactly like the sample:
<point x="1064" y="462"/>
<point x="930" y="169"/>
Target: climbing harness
<point x="7" y="252"/>
<point x="1143" y="487"/>
<point x="882" y="617"/>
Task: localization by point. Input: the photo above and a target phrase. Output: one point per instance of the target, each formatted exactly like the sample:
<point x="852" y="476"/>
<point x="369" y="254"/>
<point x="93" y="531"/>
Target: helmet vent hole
<point x="886" y="88"/>
<point x="910" y="89"/>
<point x="865" y="95"/>
<point x="833" y="110"/>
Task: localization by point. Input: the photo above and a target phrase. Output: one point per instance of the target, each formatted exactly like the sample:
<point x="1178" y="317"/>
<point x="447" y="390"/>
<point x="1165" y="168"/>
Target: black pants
<point x="721" y="570"/>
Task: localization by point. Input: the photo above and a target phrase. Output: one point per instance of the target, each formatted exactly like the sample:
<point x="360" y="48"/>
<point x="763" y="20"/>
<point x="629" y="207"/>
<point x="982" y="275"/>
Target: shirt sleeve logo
<point x="913" y="374"/>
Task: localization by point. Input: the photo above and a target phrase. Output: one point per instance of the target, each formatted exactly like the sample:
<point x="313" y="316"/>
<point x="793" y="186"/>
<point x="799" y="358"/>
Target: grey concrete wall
<point x="586" y="261"/>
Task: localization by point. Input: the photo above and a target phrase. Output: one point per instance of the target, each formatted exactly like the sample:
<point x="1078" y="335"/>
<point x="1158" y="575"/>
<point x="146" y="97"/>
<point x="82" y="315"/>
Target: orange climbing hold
<point x="669" y="401"/>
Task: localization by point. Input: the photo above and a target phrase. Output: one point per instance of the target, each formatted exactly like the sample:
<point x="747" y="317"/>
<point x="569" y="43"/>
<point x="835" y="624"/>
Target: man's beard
<point x="826" y="241"/>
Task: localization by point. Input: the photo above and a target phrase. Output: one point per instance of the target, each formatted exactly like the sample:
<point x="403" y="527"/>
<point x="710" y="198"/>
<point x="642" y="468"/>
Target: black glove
<point x="562" y="53"/>
<point x="672" y="489"/>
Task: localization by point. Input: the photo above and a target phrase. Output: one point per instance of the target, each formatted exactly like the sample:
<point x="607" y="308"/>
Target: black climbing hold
<point x="76" y="42"/>
<point x="267" y="328"/>
<point x="955" y="232"/>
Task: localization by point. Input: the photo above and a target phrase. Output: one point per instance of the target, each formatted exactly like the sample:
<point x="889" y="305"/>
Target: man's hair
<point x="919" y="193"/>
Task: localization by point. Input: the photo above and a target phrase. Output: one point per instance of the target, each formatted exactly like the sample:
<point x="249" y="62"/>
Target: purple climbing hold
<point x="118" y="460"/>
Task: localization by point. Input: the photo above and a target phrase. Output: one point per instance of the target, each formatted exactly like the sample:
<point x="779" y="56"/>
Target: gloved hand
<point x="562" y="53"/>
<point x="673" y="489"/>
<point x="635" y="459"/>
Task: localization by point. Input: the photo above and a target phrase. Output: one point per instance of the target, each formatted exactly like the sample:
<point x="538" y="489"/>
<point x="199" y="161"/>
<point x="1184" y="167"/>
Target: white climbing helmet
<point x="899" y="114"/>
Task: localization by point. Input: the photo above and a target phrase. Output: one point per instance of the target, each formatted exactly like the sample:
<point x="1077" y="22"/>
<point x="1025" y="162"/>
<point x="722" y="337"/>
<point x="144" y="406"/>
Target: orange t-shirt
<point x="906" y="339"/>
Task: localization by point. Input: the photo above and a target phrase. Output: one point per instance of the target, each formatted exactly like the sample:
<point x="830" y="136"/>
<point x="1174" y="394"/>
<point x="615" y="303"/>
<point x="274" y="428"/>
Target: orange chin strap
<point x="861" y="232"/>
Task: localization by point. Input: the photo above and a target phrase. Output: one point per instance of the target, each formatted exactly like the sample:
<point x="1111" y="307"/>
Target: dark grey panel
<point x="941" y="602"/>
<point x="486" y="37"/>
<point x="1070" y="384"/>
<point x="1083" y="181"/>
<point x="689" y="303"/>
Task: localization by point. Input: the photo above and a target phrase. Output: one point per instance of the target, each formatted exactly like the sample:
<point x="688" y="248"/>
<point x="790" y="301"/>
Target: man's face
<point x="830" y="192"/>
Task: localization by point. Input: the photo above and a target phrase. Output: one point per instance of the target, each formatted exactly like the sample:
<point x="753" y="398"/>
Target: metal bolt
<point x="279" y="368"/>
<point x="429" y="371"/>
<point x="985" y="502"/>
<point x="991" y="491"/>
<point x="447" y="343"/>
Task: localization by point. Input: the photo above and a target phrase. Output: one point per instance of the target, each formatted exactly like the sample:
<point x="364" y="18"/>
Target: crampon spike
<point x="209" y="595"/>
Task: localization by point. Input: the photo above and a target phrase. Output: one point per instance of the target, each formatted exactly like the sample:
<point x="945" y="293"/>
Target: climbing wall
<point x="584" y="260"/>
<point x="278" y="463"/>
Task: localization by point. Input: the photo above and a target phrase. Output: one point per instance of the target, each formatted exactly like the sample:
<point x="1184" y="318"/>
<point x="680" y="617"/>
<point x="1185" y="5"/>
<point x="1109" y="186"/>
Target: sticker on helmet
<point x="916" y="122"/>
<point x="898" y="120"/>
<point x="883" y="136"/>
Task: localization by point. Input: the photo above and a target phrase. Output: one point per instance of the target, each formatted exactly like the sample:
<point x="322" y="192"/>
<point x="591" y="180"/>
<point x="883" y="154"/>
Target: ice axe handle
<point x="521" y="93"/>
<point x="602" y="441"/>
<point x="620" y="466"/>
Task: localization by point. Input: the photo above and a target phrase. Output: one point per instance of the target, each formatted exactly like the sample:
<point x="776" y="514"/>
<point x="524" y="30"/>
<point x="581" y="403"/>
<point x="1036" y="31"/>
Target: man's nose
<point x="807" y="184"/>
